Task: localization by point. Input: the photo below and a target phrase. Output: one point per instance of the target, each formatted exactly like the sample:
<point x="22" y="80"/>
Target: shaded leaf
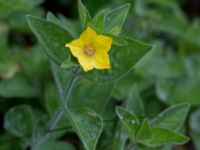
<point x="56" y="145"/>
<point x="19" y="120"/>
<point x="134" y="102"/>
<point x="17" y="87"/>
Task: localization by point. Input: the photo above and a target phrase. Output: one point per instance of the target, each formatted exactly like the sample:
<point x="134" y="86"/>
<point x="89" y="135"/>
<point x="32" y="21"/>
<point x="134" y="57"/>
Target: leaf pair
<point x="105" y="21"/>
<point x="160" y="131"/>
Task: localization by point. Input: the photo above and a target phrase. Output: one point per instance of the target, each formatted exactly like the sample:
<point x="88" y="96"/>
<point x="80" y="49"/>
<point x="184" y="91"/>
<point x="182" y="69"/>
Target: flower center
<point x="89" y="50"/>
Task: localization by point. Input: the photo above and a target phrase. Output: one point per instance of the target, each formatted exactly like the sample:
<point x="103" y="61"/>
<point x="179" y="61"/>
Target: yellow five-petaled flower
<point x="91" y="50"/>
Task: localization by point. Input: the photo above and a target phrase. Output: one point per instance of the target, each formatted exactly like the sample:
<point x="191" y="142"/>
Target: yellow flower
<point x="91" y="50"/>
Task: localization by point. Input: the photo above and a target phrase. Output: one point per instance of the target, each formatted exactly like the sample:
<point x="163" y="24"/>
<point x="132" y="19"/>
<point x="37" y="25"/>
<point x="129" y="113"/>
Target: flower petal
<point x="76" y="47"/>
<point x="102" y="43"/>
<point x="88" y="36"/>
<point x="85" y="62"/>
<point x="101" y="61"/>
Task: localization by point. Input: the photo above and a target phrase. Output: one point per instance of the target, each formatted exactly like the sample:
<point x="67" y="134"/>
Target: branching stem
<point x="65" y="97"/>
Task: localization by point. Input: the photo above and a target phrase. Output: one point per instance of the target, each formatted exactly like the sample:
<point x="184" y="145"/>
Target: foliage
<point x="142" y="102"/>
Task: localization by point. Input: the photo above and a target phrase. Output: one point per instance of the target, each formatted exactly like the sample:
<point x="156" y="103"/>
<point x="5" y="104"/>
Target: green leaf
<point x="164" y="89"/>
<point x="19" y="120"/>
<point x="169" y="20"/>
<point x="133" y="105"/>
<point x="159" y="137"/>
<point x="172" y="118"/>
<point x="8" y="7"/>
<point x="52" y="37"/>
<point x="83" y="14"/>
<point x="3" y="36"/>
<point x="144" y="131"/>
<point x="194" y="128"/>
<point x="129" y="122"/>
<point x="98" y="22"/>
<point x="194" y="121"/>
<point x="169" y="3"/>
<point x="164" y="64"/>
<point x="87" y="124"/>
<point x="117" y="40"/>
<point x="116" y="18"/>
<point x="68" y="63"/>
<point x="92" y="95"/>
<point x="17" y="87"/>
<point x="68" y="25"/>
<point x="5" y="145"/>
<point x="55" y="145"/>
<point x="34" y="63"/>
<point x="123" y="85"/>
<point x="61" y="78"/>
<point x="134" y="102"/>
<point x="122" y="58"/>
<point x="51" y="98"/>
<point x="51" y="17"/>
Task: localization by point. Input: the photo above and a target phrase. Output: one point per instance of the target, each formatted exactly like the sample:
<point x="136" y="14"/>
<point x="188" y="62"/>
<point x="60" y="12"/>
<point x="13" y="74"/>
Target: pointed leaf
<point x="134" y="102"/>
<point x="52" y="37"/>
<point x="117" y="40"/>
<point x="87" y="124"/>
<point x="172" y="118"/>
<point x="98" y="22"/>
<point x="129" y="122"/>
<point x="116" y="18"/>
<point x="92" y="95"/>
<point x="65" y="23"/>
<point x="144" y="131"/>
<point x="122" y="58"/>
<point x="160" y="137"/>
<point x="83" y="14"/>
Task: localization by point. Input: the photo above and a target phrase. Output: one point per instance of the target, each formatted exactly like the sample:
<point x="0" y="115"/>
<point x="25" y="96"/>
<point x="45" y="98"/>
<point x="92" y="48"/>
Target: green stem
<point x="59" y="113"/>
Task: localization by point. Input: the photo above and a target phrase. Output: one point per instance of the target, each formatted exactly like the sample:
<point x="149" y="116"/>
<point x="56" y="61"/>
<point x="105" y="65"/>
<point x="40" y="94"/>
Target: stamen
<point x="89" y="50"/>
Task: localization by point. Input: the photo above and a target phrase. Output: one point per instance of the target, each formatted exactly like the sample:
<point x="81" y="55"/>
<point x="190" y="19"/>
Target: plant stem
<point x="65" y="97"/>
